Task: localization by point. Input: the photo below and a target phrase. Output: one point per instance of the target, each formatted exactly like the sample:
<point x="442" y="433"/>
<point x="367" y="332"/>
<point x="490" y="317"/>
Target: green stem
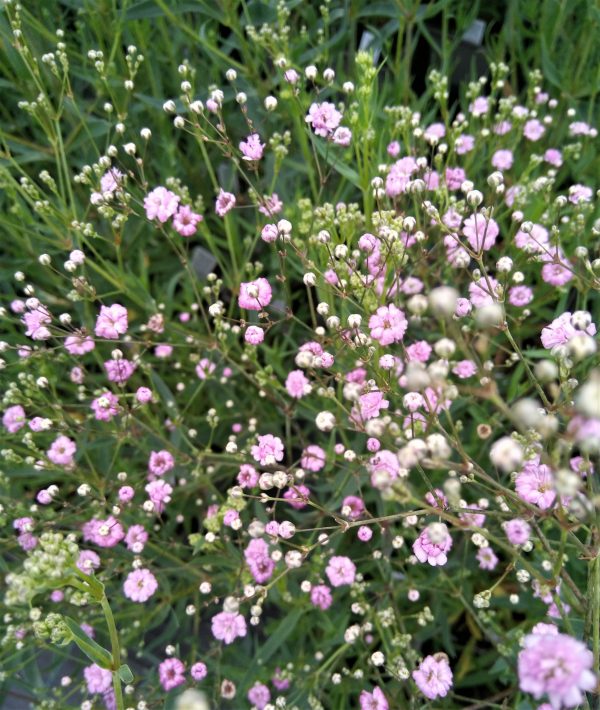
<point x="115" y="650"/>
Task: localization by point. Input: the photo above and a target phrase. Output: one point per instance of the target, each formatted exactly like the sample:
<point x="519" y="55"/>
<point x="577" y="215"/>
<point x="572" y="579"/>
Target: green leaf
<point x="92" y="650"/>
<point x="125" y="674"/>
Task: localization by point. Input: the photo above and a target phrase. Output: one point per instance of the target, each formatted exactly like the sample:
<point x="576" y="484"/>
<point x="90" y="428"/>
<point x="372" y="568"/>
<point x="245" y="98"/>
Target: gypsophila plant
<point x="300" y="375"/>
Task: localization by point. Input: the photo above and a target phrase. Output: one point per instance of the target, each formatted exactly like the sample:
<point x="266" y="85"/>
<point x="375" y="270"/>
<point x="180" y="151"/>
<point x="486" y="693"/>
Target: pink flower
<point x="227" y="626"/>
<point x="297" y="384"/>
<point x="464" y="144"/>
<point x="557" y="274"/>
<point x="62" y="451"/>
<point x="313" y="458"/>
<point x="224" y="203"/>
<point x="205" y="368"/>
<point x="104" y="533"/>
<point x="248" y="476"/>
<point x="535" y="484"/>
<point x="119" y="371"/>
<point x="373" y="701"/>
<point x="364" y="533"/>
<point x="455" y="178"/>
<point x="252" y="148"/>
<point x="97" y="679"/>
<point x="111" y="322"/>
<point x="140" y="585"/>
<point x="388" y="325"/>
<point x="340" y="571"/>
<point x="342" y="136"/>
<point x="159" y="492"/>
<point x="393" y="149"/>
<point x="487" y="558"/>
<point x="560" y="331"/>
<point x="502" y="159"/>
<point x="534" y="241"/>
<point x="111" y="180"/>
<point x="432" y="544"/>
<point x="553" y="157"/>
<point x="434" y="676"/>
<point x="355" y="505"/>
<point x="258" y="560"/>
<point x="36" y="321"/>
<point x="434" y="132"/>
<point x="533" y="130"/>
<point x="160" y="204"/>
<point x="371" y="404"/>
<point x="271" y="205"/>
<point x="517" y="531"/>
<point x="483" y="292"/>
<point x="14" y="419"/>
<point x="136" y="538"/>
<point x="320" y="596"/>
<point x="254" y="335"/>
<point x="255" y="295"/>
<point x="160" y="462"/>
<point x="418" y="352"/>
<point x="88" y="561"/>
<point x="324" y="118"/>
<point x="480" y="232"/>
<point x="185" y="221"/>
<point x="558" y="666"/>
<point x="143" y="395"/>
<point x="480" y="106"/>
<point x="171" y="673"/>
<point x="399" y="176"/>
<point x="79" y="344"/>
<point x="268" y="450"/>
<point x="520" y="296"/>
<point x="105" y="407"/>
<point x="259" y="695"/>
<point x="296" y="496"/>
<point x="464" y="369"/>
<point x="198" y="671"/>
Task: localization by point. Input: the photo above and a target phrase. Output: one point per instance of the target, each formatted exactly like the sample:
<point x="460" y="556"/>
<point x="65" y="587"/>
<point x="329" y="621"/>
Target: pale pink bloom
<point x="434" y="132"/>
<point x="560" y="331"/>
<point x="342" y="136"/>
<point x="268" y="450"/>
<point x="480" y="232"/>
<point x="320" y="596"/>
<point x="88" y="561"/>
<point x="393" y="149"/>
<point x="205" y="368"/>
<point x="533" y="130"/>
<point x="487" y="558"/>
<point x="399" y="176"/>
<point x="270" y="205"/>
<point x="224" y="203"/>
<point x="340" y="571"/>
<point x="62" y="451"/>
<point x="269" y="233"/>
<point x="104" y="533"/>
<point x="434" y="676"/>
<point x="474" y="519"/>
<point x="371" y="404"/>
<point x="324" y="118"/>
<point x="171" y="673"/>
<point x="373" y="701"/>
<point x="159" y="492"/>
<point x="483" y="292"/>
<point x="313" y="458"/>
<point x="227" y="626"/>
<point x="553" y="157"/>
<point x="79" y="344"/>
<point x="388" y="325"/>
<point x="247" y="476"/>
<point x="105" y="407"/>
<point x="297" y="384"/>
<point x="36" y="321"/>
<point x="454" y="179"/>
<point x="364" y="533"/>
<point x="480" y="106"/>
<point x="356" y="506"/>
<point x="517" y="531"/>
<point x="254" y="335"/>
<point x="433" y="552"/>
<point x="535" y="484"/>
<point x="419" y="351"/>
<point x="111" y="181"/>
<point x="185" y="221"/>
<point x="436" y="499"/>
<point x="14" y="418"/>
<point x="119" y="370"/>
<point x="97" y="679"/>
<point x="161" y="204"/>
<point x="502" y="128"/>
<point x="384" y="468"/>
<point x="464" y="144"/>
<point x="198" y="671"/>
<point x="297" y="496"/>
<point x="258" y="560"/>
<point x="520" y="296"/>
<point x="259" y="695"/>
<point x="160" y="462"/>
<point x="136" y="538"/>
<point x="502" y="159"/>
<point x="111" y="322"/>
<point x="255" y="295"/>
<point x="140" y="585"/>
<point x="464" y="369"/>
<point x="558" y="666"/>
<point x="252" y="149"/>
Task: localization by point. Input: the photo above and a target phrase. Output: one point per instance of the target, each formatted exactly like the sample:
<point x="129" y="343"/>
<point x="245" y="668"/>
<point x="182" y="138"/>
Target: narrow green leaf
<point x="125" y="674"/>
<point x="92" y="650"/>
